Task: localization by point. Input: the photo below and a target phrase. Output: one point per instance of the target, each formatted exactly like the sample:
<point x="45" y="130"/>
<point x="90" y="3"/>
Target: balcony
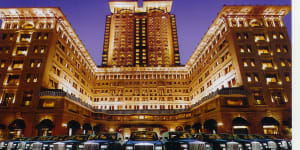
<point x="156" y="112"/>
<point x="61" y="93"/>
<point x="224" y="91"/>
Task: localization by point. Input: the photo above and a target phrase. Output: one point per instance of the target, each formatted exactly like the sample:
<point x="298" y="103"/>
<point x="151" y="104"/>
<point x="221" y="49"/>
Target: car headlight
<point x="69" y="146"/>
<point x="184" y="145"/>
<point x="129" y="148"/>
<point x="158" y="147"/>
<point x="104" y="146"/>
<point x="81" y="146"/>
<point x="222" y="145"/>
<point x="248" y="145"/>
<point x="51" y="145"/>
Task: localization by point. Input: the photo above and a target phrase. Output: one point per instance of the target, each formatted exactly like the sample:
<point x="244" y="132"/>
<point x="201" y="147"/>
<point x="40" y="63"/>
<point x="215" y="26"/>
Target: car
<point x="74" y="142"/>
<point x="282" y="144"/>
<point x="54" y="140"/>
<point x="3" y="145"/>
<point x="104" y="141"/>
<point x="249" y="142"/>
<point x="220" y="142"/>
<point x="43" y="142"/>
<point x="17" y="143"/>
<point x="181" y="140"/>
<point x="143" y="140"/>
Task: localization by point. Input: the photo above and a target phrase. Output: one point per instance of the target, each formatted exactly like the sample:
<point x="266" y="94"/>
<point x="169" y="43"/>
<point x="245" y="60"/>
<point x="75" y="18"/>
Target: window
<point x="245" y="63"/>
<point x="53" y="84"/>
<point x="263" y="50"/>
<point x="8" y="98"/>
<point x="267" y="64"/>
<point x="282" y="63"/>
<point x="13" y="79"/>
<point x="287" y="77"/>
<point x="2" y="64"/>
<point x="259" y="37"/>
<point x="25" y="37"/>
<point x="281" y="36"/>
<point x="249" y="79"/>
<point x="238" y="36"/>
<point x="256" y="78"/>
<point x="21" y="51"/>
<point x="27" y="97"/>
<point x="274" y="36"/>
<point x="252" y="62"/>
<point x="277" y="98"/>
<point x="17" y="65"/>
<point x="271" y="78"/>
<point x="258" y="97"/>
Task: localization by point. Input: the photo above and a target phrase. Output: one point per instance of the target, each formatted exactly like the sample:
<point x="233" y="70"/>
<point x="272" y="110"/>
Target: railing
<point x="224" y="91"/>
<point x="157" y="112"/>
<point x="59" y="92"/>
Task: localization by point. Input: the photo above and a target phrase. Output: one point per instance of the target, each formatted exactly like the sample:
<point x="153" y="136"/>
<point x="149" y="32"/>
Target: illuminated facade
<point x="140" y="36"/>
<point x="237" y="80"/>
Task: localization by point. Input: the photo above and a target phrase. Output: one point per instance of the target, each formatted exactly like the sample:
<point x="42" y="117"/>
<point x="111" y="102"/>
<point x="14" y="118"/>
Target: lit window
<point x="17" y="65"/>
<point x="281" y="36"/>
<point x="274" y="36"/>
<point x="252" y="62"/>
<point x="259" y="37"/>
<point x="287" y="77"/>
<point x="21" y="51"/>
<point x="267" y="64"/>
<point x="256" y="78"/>
<point x="263" y="50"/>
<point x="278" y="50"/>
<point x="249" y="79"/>
<point x="2" y="65"/>
<point x="271" y="78"/>
<point x="245" y="64"/>
<point x="282" y="63"/>
<point x="242" y="50"/>
<point x="13" y="79"/>
<point x="25" y="37"/>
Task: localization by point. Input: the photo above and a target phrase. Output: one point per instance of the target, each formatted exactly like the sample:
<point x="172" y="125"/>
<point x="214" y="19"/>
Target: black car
<point x="74" y="142"/>
<point x="3" y="145"/>
<point x="249" y="142"/>
<point x="104" y="141"/>
<point x="143" y="140"/>
<point x="220" y="142"/>
<point x="181" y="140"/>
<point x="282" y="144"/>
<point x="50" y="143"/>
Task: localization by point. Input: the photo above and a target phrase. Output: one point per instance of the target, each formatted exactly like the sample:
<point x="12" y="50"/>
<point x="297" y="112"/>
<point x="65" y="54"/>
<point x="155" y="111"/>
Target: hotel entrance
<point x="127" y="129"/>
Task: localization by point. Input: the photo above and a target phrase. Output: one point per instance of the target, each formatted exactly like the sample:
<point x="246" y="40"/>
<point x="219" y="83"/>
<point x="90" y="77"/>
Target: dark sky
<point x="194" y="17"/>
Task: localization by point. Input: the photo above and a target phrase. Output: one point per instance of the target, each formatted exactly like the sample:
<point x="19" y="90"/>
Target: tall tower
<point x="140" y="36"/>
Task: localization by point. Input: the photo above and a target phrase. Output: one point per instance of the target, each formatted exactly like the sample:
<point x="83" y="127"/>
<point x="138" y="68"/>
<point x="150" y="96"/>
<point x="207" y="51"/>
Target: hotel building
<point x="238" y="79"/>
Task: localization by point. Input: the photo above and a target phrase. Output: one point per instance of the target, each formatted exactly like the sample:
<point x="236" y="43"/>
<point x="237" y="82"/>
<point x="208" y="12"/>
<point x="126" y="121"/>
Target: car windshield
<point x="180" y="135"/>
<point x="243" y="136"/>
<point x="213" y="136"/>
<point x="58" y="138"/>
<point x="44" y="138"/>
<point x="226" y="136"/>
<point x="144" y="136"/>
<point x="104" y="136"/>
<point x="259" y="136"/>
<point x="77" y="137"/>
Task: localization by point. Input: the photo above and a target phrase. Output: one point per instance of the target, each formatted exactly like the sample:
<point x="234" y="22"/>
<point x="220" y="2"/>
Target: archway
<point x="2" y="132"/>
<point x="197" y="127"/>
<point x="87" y="128"/>
<point x="179" y="128"/>
<point x="270" y="125"/>
<point x="210" y="126"/>
<point x="240" y="125"/>
<point x="45" y="127"/>
<point x="73" y="126"/>
<point x="16" y="128"/>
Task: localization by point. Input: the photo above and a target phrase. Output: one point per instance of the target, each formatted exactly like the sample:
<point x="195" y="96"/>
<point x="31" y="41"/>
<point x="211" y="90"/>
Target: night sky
<point x="193" y="19"/>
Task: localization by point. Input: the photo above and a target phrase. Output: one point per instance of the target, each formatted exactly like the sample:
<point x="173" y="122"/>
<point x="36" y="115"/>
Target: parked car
<point x="3" y="145"/>
<point x="181" y="140"/>
<point x="56" y="139"/>
<point x="143" y="140"/>
<point x="104" y="141"/>
<point x="248" y="142"/>
<point x="281" y="144"/>
<point x="16" y="143"/>
<point x="221" y="143"/>
<point x="74" y="142"/>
